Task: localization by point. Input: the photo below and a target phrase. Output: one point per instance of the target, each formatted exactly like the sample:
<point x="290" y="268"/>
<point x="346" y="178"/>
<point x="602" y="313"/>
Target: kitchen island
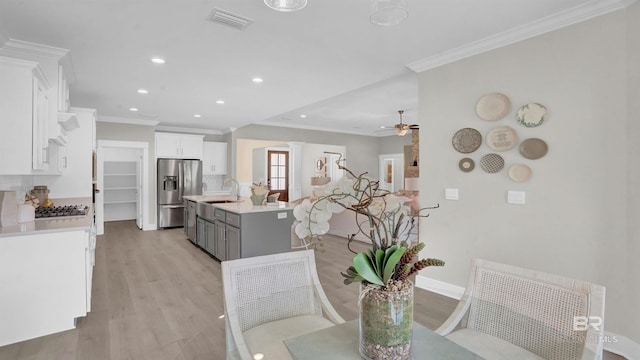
<point x="230" y="229"/>
<point x="46" y="269"/>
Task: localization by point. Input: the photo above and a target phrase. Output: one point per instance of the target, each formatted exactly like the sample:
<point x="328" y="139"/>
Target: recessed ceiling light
<point x="303" y="116"/>
<point x="157" y="60"/>
<point x="196" y="115"/>
<point x="143" y="91"/>
<point x="133" y="109"/>
<point x="258" y="356"/>
<point x="257" y="80"/>
<point x="219" y="102"/>
<point x="221" y="316"/>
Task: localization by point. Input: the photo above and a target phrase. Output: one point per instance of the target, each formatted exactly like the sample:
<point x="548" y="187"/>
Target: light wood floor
<point x="156" y="296"/>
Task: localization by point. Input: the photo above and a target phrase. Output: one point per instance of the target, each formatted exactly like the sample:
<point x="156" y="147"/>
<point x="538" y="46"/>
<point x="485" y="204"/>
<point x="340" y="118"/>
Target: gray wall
<point x="581" y="215"/>
<point x="362" y="151"/>
<point x="633" y="166"/>
<point x="141" y="133"/>
<point x="394" y="144"/>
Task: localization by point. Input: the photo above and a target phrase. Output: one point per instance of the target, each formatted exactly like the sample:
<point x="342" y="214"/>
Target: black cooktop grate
<point x="59" y="211"/>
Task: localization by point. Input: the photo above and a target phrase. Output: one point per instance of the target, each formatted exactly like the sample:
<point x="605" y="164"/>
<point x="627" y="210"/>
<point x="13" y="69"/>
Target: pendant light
<point x="286" y="5"/>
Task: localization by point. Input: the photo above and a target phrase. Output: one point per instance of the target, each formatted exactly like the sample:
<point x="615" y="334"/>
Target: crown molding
<point x="359" y="132"/>
<point x="130" y="121"/>
<point x="188" y="130"/>
<point x="553" y="22"/>
<point x="30" y="48"/>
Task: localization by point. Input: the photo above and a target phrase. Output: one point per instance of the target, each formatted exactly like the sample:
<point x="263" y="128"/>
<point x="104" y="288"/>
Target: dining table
<point x="341" y="342"/>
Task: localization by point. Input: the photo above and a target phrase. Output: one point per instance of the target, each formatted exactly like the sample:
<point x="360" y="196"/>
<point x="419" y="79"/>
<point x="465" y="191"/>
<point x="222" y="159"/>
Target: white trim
<point x="621" y="345"/>
<point x="122" y="120"/>
<point x="144" y="146"/>
<point x="30" y="48"/>
<point x="439" y="287"/>
<point x="553" y="22"/>
<point x="187" y="130"/>
<point x="293" y="125"/>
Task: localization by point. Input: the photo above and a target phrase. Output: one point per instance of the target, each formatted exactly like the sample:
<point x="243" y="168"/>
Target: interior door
<point x="278" y="173"/>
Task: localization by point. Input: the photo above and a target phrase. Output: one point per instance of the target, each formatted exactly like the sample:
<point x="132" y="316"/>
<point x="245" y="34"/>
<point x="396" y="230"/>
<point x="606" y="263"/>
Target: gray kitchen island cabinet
<point x="252" y="233"/>
<point x="206" y="236"/>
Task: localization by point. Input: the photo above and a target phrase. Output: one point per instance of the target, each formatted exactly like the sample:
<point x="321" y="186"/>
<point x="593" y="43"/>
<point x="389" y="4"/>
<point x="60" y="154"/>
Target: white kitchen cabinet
<point x="179" y="146"/>
<point x="47" y="279"/>
<point x="214" y="160"/>
<point x="64" y="101"/>
<point x="70" y="172"/>
<point x="56" y="66"/>
<point x="23" y="103"/>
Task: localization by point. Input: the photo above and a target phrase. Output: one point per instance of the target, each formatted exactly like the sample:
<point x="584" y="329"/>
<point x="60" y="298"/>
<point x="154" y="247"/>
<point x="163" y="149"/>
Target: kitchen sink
<point x="206" y="211"/>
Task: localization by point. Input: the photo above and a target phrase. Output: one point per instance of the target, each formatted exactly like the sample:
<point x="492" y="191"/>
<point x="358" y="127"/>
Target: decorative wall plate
<point x="466" y="164"/>
<point x="531" y="115"/>
<point x="533" y="148"/>
<point x="492" y="163"/>
<point x="493" y="106"/>
<point x="502" y="138"/>
<point x="467" y="140"/>
<point x="519" y="172"/>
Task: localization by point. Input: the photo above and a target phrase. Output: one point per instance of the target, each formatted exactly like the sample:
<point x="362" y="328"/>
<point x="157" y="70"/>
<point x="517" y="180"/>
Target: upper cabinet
<point x="23" y="109"/>
<point x="56" y="66"/>
<point x="179" y="146"/>
<point x="214" y="161"/>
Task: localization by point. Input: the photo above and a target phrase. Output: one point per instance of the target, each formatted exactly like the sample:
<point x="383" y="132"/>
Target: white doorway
<point x="122" y="181"/>
<point x="391" y="175"/>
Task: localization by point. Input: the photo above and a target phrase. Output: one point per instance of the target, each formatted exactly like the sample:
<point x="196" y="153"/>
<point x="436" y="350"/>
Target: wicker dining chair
<point x="270" y="298"/>
<point x="508" y="312"/>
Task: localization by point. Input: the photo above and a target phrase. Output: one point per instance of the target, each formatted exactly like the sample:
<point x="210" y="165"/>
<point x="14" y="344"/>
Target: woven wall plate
<point x="531" y="115"/>
<point x="466" y="140"/>
<point x="492" y="163"/>
<point x="466" y="164"/>
<point x="519" y="172"/>
<point x="492" y="107"/>
<point x="533" y="148"/>
<point x="502" y="138"/>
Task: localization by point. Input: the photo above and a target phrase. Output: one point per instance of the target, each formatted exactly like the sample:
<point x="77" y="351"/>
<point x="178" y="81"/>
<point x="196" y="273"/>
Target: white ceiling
<point x="326" y="61"/>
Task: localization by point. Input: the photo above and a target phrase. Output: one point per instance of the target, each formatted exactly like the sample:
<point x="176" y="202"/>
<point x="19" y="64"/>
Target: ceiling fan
<point x="401" y="128"/>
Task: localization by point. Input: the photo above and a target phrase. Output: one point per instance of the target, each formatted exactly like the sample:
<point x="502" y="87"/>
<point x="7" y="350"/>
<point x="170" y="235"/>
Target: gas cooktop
<point x="61" y="211"/>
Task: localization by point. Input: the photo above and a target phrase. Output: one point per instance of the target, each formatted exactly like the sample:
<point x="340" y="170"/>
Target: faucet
<point x="237" y="187"/>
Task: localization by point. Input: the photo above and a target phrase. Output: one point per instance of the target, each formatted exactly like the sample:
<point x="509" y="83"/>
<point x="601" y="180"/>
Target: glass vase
<point x="386" y="321"/>
<point x="257" y="199"/>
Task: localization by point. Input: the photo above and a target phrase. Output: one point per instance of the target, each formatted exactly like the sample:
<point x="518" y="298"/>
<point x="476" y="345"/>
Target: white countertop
<point x="56" y="224"/>
<point x="244" y="206"/>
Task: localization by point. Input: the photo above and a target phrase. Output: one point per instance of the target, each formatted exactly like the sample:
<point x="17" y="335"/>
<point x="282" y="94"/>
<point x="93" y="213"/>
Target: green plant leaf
<point x="390" y="266"/>
<point x="379" y="265"/>
<point x="364" y="267"/>
<point x="388" y="253"/>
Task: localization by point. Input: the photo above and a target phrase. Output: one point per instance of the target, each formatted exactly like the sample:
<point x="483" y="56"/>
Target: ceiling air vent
<point x="229" y="19"/>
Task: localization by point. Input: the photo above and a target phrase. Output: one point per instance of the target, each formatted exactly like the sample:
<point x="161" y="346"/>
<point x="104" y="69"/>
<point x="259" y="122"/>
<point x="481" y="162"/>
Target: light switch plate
<point x="451" y="194"/>
<point x="516" y="197"/>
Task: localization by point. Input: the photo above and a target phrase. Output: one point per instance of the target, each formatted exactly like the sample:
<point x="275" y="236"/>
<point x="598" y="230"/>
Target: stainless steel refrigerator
<point x="176" y="178"/>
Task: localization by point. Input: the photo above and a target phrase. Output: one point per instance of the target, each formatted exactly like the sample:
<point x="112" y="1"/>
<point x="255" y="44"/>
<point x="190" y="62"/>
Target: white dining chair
<point x="508" y="312"/>
<point x="270" y="298"/>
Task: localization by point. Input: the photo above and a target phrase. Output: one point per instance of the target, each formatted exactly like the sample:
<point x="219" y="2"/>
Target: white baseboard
<point x="439" y="287"/>
<point x="614" y="343"/>
<point x="621" y="345"/>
